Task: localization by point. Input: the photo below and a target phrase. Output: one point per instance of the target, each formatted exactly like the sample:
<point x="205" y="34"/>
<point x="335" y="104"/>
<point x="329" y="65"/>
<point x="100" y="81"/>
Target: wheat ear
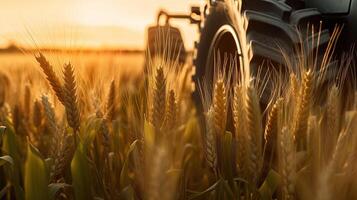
<point x="254" y="132"/>
<point x="271" y="127"/>
<point x="27" y="101"/>
<point x="240" y="134"/>
<point x="52" y="125"/>
<point x="37" y="114"/>
<point x="171" y="111"/>
<point x="111" y="108"/>
<point x="17" y="120"/>
<point x="51" y="77"/>
<point x="210" y="142"/>
<point x="63" y="157"/>
<point x="288" y="169"/>
<point x="159" y="99"/>
<point x="220" y="107"/>
<point x="303" y="110"/>
<point x="271" y="133"/>
<point x="332" y="122"/>
<point x="69" y="90"/>
<point x="294" y="88"/>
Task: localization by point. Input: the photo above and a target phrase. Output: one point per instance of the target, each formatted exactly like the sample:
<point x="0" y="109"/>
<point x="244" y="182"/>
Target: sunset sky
<point x="85" y="23"/>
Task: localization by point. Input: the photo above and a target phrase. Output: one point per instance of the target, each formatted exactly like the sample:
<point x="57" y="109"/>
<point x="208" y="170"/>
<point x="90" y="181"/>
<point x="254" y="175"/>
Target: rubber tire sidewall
<point x="217" y="18"/>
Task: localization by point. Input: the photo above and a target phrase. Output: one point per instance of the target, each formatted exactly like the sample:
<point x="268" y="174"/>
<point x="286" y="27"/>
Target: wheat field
<point x="89" y="130"/>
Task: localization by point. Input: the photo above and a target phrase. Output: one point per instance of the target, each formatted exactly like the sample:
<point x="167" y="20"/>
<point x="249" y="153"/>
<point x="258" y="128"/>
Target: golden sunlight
<point x="85" y="23"/>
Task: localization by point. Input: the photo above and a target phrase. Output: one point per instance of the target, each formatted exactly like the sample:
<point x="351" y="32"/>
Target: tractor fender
<point x="330" y="6"/>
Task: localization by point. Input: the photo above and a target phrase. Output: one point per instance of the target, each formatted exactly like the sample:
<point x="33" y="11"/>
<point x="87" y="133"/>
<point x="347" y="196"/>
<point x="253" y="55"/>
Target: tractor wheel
<point x="256" y="32"/>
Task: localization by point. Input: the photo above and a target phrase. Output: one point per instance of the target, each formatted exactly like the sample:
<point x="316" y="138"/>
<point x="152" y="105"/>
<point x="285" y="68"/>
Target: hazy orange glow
<point x="85" y="23"/>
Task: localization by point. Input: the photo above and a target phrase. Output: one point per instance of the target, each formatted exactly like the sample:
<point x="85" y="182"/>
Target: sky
<point x="86" y="23"/>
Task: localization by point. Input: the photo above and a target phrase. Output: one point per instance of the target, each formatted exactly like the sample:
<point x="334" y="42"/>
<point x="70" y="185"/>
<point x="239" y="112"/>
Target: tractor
<point x="258" y="31"/>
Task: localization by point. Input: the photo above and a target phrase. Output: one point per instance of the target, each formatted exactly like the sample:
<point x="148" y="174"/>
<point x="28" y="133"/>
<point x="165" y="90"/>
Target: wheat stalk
<point x="51" y="77"/>
<point x="158" y="183"/>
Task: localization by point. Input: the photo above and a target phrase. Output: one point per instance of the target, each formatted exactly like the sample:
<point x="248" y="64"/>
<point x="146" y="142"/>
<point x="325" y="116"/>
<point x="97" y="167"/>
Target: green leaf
<point x="124" y="174"/>
<point x="205" y="192"/>
<point x="53" y="188"/>
<point x="269" y="186"/>
<point x="80" y="171"/>
<point x="11" y="146"/>
<point x="36" y="179"/>
<point x="6" y="160"/>
<point x="227" y="158"/>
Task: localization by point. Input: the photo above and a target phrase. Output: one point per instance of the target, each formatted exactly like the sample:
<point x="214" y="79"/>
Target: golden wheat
<point x="70" y="98"/>
<point x="171" y="112"/>
<point x="210" y="147"/>
<point x="37" y="114"/>
<point x="51" y="77"/>
<point x="159" y="99"/>
<point x="111" y="106"/>
<point x="239" y="125"/>
<point x="220" y="107"/>
<point x="288" y="169"/>
<point x="303" y="109"/>
<point x="254" y="133"/>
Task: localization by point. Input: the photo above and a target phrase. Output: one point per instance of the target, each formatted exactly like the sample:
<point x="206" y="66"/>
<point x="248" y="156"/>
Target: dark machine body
<point x="269" y="27"/>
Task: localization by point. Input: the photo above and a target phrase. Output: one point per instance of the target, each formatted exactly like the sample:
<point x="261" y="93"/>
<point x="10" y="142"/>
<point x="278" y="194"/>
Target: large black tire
<point x="264" y="28"/>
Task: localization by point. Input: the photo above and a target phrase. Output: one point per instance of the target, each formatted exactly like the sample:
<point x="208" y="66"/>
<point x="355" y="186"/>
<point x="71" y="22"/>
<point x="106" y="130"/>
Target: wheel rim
<point x="225" y="43"/>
